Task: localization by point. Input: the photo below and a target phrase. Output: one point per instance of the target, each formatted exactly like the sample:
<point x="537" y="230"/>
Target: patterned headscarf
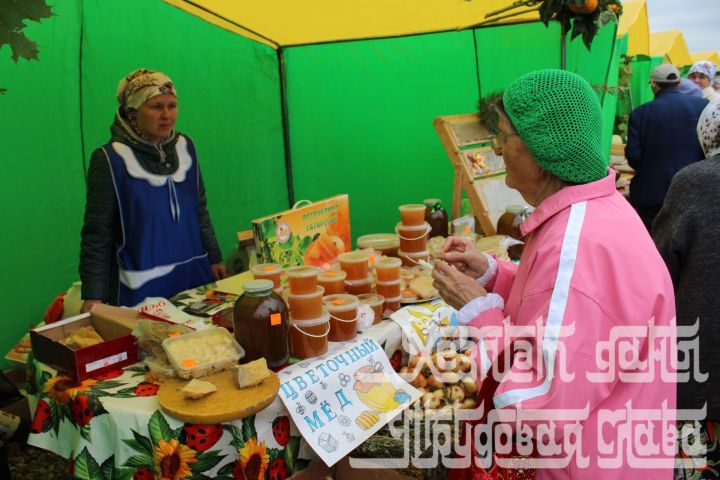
<point x="708" y="129"/>
<point x="141" y="85"/>
<point x="706" y="68"/>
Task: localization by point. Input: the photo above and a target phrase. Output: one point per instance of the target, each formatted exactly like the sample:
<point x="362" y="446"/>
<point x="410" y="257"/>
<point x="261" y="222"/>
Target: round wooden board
<point x="227" y="404"/>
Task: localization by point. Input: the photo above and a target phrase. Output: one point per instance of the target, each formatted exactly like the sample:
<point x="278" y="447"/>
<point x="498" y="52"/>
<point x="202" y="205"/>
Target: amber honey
<point x="413" y="239"/>
<point x="389" y="289"/>
<point x="269" y="271"/>
<point x="388" y="269"/>
<point x="412" y="214"/>
<point x="358" y="287"/>
<point x="392" y="304"/>
<point x="355" y="264"/>
<point x="306" y="306"/>
<point x="375" y="302"/>
<point x="302" y="279"/>
<point x="343" y="311"/>
<point x="332" y="281"/>
<point x="309" y="338"/>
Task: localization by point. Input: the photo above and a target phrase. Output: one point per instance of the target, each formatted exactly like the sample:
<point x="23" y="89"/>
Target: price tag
<point x="275" y="319"/>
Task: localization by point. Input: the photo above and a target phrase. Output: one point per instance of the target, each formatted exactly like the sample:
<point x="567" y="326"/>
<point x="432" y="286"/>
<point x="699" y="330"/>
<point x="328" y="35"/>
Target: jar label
<point x="275" y="319"/>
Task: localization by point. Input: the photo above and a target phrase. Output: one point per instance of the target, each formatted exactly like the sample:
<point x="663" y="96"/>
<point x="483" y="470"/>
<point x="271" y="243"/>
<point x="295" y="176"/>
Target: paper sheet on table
<point x="338" y="400"/>
<point x="421" y="324"/>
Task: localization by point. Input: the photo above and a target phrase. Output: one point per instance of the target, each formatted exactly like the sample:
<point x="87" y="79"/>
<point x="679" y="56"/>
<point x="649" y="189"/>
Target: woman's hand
<point x="218" y="271"/>
<point x="454" y="286"/>
<point x="88" y="304"/>
<point x="461" y="254"/>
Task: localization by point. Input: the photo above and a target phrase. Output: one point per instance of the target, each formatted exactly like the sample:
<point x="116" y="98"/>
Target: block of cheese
<point x="423" y="286"/>
<point x="198" y="388"/>
<point x="251" y="373"/>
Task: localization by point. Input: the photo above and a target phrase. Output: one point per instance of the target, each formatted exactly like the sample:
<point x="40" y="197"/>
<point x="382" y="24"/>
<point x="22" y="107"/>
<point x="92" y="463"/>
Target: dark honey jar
<point x="261" y="323"/>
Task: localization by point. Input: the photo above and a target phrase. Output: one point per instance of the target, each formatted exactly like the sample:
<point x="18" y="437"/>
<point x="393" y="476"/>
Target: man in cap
<point x="702" y="74"/>
<point x="661" y="140"/>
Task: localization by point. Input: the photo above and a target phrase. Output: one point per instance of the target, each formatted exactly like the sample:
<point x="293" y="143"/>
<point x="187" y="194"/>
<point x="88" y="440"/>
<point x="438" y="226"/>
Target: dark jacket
<point x="661" y="140"/>
<point x="101" y="232"/>
<point x="687" y="234"/>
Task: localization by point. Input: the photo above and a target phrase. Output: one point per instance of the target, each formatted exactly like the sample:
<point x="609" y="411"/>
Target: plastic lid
<point x="379" y="241"/>
<point x="412" y="207"/>
<point x="391" y="300"/>
<point x="317" y="293"/>
<point x="388" y="283"/>
<point x="340" y="302"/>
<point x="413" y="228"/>
<point x="425" y="253"/>
<point x="266" y="269"/>
<point x="333" y="275"/>
<point x="323" y="318"/>
<point x="354" y="257"/>
<point x="431" y="201"/>
<point x="302" y="271"/>
<point x="372" y="299"/>
<point x="359" y="283"/>
<point x="388" y="262"/>
<point x="258" y="286"/>
<point x="515" y="209"/>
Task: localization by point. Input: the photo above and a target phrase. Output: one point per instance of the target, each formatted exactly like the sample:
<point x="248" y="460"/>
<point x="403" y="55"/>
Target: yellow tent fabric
<point x="634" y="24"/>
<point x="671" y="46"/>
<point x="281" y="23"/>
<point x="711" y="56"/>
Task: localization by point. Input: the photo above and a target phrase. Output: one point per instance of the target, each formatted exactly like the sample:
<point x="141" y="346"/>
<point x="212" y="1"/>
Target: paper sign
<point x="340" y="399"/>
<point x="421" y="324"/>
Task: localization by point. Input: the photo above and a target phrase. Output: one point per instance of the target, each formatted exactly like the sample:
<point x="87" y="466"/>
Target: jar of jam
<point x="260" y="323"/>
<point x="509" y="225"/>
<point x="437" y="217"/>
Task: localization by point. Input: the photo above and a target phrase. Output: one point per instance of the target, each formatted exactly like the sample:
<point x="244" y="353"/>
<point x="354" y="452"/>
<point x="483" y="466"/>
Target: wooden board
<point x="227" y="404"/>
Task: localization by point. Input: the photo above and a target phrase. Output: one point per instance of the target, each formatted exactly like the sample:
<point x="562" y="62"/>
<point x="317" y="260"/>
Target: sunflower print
<point x="62" y="389"/>
<point x="254" y="459"/>
<point x="172" y="460"/>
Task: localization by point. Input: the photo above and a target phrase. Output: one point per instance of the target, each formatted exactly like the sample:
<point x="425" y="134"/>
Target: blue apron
<point x="162" y="251"/>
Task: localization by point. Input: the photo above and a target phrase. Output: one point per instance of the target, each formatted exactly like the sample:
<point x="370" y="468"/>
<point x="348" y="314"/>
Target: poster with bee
<point x="478" y="169"/>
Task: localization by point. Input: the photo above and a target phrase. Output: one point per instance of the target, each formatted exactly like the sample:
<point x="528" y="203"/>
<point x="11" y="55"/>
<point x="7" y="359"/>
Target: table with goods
<point x="257" y="387"/>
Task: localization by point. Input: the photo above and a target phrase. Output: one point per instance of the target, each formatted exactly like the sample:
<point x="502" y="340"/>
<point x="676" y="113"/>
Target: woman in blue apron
<point x="147" y="231"/>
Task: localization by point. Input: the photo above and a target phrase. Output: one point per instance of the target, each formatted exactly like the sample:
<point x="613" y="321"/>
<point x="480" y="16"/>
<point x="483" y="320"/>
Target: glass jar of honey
<point x="509" y="225"/>
<point x="261" y="323"/>
<point x="437" y="217"/>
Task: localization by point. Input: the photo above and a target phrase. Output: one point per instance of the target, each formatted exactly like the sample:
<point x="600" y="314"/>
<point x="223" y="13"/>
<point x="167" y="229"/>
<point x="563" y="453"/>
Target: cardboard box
<point x="313" y="234"/>
<point x="118" y="350"/>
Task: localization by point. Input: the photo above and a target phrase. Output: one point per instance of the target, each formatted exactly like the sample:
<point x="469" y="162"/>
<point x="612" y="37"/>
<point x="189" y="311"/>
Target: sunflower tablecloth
<point x="111" y="428"/>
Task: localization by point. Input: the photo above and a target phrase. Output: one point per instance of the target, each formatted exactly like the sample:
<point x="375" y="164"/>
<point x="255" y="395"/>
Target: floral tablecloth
<point x="111" y="428"/>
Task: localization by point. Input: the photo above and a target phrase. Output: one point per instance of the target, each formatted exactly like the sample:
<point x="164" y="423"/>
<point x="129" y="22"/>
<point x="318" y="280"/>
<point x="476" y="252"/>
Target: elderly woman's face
<point x="702" y="81"/>
<point x="156" y="118"/>
<point x="523" y="172"/>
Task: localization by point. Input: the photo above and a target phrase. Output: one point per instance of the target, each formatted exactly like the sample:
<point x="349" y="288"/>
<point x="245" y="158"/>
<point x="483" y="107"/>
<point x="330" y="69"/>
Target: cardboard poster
<point x="338" y="400"/>
<point x="313" y="234"/>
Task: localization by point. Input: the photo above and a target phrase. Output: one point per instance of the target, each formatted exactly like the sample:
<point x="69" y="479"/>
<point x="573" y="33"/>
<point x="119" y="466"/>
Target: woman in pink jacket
<point x="585" y="322"/>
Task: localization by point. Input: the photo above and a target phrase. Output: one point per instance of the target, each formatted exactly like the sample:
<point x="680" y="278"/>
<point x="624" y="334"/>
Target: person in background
<point x="589" y="270"/>
<point x="147" y="230"/>
<point x="687" y="235"/>
<point x="703" y="73"/>
<point x="661" y="140"/>
<point x="716" y="83"/>
<point x="688" y="87"/>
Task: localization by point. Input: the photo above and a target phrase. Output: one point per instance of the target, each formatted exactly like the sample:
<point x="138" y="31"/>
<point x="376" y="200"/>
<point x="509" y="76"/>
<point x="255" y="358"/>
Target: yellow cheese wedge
<point x="198" y="389"/>
<point x="251" y="373"/>
<point x="423" y="286"/>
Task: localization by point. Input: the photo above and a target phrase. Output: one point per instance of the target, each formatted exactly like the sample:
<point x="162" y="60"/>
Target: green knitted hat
<point x="558" y="117"/>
